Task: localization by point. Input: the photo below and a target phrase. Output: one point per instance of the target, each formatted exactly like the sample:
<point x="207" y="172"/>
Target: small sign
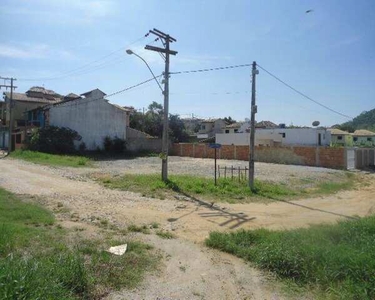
<point x="215" y="146"/>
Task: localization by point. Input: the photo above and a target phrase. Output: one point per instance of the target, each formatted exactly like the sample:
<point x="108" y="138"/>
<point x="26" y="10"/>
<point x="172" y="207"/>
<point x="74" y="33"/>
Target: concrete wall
<point x="146" y="144"/>
<point x="302" y="155"/>
<point x="287" y="137"/>
<point x="140" y="141"/>
<point x="243" y="139"/>
<point x="92" y="118"/>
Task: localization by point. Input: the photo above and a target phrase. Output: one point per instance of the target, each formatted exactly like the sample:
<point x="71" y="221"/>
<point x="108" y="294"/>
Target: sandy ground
<point x="208" y="274"/>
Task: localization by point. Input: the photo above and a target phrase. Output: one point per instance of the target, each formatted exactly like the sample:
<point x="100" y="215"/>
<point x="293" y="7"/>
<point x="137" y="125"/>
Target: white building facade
<point x="93" y="117"/>
<point x="279" y="137"/>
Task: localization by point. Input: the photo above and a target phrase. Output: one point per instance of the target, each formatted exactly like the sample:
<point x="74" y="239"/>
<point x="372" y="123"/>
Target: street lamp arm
<point x="148" y="68"/>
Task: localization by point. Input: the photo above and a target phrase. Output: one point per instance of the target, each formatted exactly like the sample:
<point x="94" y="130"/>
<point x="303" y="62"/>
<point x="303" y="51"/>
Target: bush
<point x="54" y="140"/>
<point x="82" y="147"/>
<point x="115" y="145"/>
<point x="107" y="143"/>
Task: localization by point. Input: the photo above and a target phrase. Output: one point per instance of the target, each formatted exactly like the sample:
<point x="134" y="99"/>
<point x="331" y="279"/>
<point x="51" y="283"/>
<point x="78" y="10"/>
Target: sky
<point x="76" y="46"/>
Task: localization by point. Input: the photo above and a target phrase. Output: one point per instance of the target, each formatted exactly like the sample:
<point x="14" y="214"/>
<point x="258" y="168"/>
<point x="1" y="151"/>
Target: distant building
<point x="21" y="103"/>
<point x="208" y="128"/>
<point x="363" y="137"/>
<point x="340" y="137"/>
<point x="279" y="137"/>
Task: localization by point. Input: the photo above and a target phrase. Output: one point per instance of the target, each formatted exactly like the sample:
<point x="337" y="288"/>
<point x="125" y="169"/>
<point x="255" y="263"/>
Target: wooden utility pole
<point x="166" y="40"/>
<point x="10" y="107"/>
<point x="252" y="129"/>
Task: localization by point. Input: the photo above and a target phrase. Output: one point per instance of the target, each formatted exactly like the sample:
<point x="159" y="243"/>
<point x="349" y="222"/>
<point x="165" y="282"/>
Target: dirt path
<point x="191" y="271"/>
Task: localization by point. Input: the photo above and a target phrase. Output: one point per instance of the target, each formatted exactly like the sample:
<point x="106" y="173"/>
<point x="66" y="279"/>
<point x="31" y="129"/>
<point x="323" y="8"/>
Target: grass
<point x="165" y="234"/>
<point x="52" y="159"/>
<point x="228" y="190"/>
<point x="39" y="261"/>
<point x="335" y="261"/>
<point x="142" y="229"/>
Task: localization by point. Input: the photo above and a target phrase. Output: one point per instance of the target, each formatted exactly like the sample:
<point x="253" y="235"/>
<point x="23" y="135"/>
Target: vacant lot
<point x="205" y="168"/>
<point x="191" y="271"/>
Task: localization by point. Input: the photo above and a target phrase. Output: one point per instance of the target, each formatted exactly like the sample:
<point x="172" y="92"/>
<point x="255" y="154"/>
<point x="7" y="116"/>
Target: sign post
<point x="215" y="146"/>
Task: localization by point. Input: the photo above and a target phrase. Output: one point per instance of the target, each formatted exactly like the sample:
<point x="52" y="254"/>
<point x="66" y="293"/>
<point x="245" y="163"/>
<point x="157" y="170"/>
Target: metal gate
<point x="364" y="158"/>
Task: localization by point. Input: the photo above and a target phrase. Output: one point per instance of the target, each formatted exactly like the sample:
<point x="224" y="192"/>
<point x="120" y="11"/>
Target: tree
<point x="152" y="123"/>
<point x="229" y="120"/>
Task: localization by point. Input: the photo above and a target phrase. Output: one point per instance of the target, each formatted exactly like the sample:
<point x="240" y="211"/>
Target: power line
<point x="84" y="67"/>
<point x="212" y="69"/>
<point x="304" y="95"/>
<point x="107" y="96"/>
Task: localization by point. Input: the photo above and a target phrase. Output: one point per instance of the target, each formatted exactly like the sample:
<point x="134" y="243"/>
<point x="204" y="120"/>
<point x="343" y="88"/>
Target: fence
<point x="232" y="172"/>
<point x="297" y="155"/>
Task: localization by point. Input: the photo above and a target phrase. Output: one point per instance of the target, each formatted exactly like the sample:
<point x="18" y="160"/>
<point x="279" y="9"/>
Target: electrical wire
<point x="84" y="67"/>
<point x="304" y="95"/>
<point x="77" y="103"/>
<point x="212" y="69"/>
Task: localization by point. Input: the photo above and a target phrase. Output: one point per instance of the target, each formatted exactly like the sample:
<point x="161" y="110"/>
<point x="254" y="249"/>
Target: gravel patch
<point x="205" y="168"/>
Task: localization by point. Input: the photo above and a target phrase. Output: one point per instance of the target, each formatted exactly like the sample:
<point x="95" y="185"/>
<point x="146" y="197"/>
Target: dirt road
<point x="191" y="270"/>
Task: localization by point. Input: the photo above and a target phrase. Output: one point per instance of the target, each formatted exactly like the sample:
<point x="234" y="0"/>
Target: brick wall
<point x="309" y="156"/>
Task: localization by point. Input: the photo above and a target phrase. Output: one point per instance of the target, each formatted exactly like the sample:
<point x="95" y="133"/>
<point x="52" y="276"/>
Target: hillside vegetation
<point x="365" y="120"/>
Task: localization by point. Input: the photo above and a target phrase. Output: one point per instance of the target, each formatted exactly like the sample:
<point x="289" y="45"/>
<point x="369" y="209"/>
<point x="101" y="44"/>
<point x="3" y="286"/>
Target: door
<point x="350" y="159"/>
<point x="319" y="139"/>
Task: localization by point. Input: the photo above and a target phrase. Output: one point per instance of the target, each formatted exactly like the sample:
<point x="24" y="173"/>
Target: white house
<point x="208" y="128"/>
<point x="363" y="137"/>
<point x="92" y="116"/>
<point x="279" y="136"/>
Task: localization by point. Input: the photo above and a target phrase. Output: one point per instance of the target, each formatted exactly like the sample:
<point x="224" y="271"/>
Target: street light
<point x="130" y="52"/>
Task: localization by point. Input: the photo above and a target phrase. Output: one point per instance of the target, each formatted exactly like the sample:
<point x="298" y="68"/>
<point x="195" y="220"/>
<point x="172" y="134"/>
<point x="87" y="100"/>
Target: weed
<point x="165" y="234"/>
<point x="143" y="229"/>
<point x="39" y="263"/>
<point x="155" y="225"/>
<point x="334" y="259"/>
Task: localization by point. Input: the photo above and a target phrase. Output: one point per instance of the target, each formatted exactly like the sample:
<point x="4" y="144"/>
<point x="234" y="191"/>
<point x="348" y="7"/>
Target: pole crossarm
<point x="162" y="50"/>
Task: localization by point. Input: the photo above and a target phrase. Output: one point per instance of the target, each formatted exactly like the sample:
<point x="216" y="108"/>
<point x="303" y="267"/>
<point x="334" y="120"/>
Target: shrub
<point x="115" y="145"/>
<point x="82" y="147"/>
<point x="118" y="145"/>
<point x="107" y="143"/>
<point x="52" y="139"/>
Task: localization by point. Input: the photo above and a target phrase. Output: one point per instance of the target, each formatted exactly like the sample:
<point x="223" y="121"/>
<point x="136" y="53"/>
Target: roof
<point x="72" y="95"/>
<point x="40" y="89"/>
<point x="336" y="131"/>
<point x="119" y="107"/>
<point x="234" y="125"/>
<point x="363" y="132"/>
<point x="265" y="124"/>
<point x="24" y="97"/>
<point x="89" y="92"/>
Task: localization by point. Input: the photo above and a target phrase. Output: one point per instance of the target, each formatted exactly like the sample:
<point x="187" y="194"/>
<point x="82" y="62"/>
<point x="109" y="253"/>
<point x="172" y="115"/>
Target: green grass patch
<point x="52" y="159"/>
<point x="38" y="261"/>
<point x="142" y="229"/>
<point x="228" y="190"/>
<point x="335" y="261"/>
<point x="165" y="234"/>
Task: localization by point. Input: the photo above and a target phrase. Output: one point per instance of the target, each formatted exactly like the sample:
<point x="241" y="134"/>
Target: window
<point x="369" y="139"/>
<point x="283" y="134"/>
<point x="339" y="137"/>
<point x="226" y="130"/>
<point x="203" y="127"/>
<point x="236" y="130"/>
<point x="355" y="139"/>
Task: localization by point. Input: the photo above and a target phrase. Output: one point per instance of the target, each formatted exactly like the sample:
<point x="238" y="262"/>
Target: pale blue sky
<point x="328" y="54"/>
